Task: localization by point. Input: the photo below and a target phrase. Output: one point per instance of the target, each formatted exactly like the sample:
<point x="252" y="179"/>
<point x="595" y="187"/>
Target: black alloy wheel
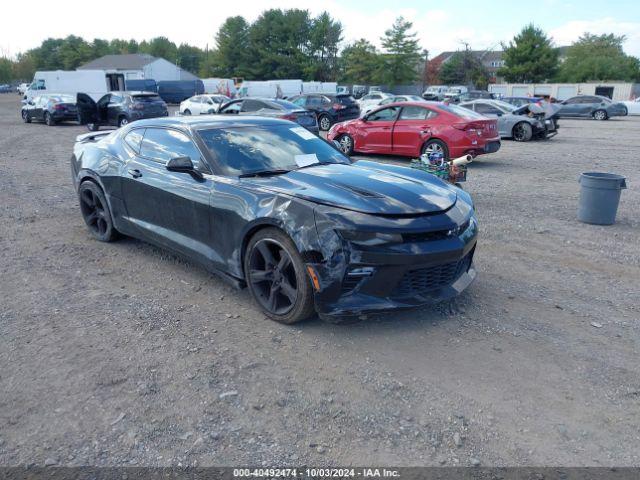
<point x="276" y="277"/>
<point x="95" y="212"/>
<point x="522" y="132"/>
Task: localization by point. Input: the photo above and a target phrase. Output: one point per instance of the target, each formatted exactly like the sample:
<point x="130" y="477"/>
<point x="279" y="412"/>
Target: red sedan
<point x="413" y="128"/>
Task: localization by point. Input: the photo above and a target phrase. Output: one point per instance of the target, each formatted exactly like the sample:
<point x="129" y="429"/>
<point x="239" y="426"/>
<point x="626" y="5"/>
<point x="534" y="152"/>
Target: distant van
<point x="177" y="91"/>
<point x="95" y="83"/>
<point x="144" y="85"/>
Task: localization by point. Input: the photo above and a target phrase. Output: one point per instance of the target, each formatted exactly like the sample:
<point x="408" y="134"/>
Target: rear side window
<point x="134" y="138"/>
<point x="416" y="113"/>
<point x="162" y="145"/>
<point x="345" y="99"/>
<point x="252" y="105"/>
<point x="461" y="112"/>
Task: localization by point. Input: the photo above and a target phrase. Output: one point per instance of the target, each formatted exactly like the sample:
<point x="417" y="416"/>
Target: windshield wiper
<point x="315" y="165"/>
<point x="263" y="173"/>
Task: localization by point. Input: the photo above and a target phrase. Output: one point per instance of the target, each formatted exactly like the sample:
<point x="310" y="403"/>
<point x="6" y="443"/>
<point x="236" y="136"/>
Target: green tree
<point x="325" y="37"/>
<point x="530" y="57"/>
<point x="160" y="47"/>
<point x="6" y="70"/>
<point x="189" y="58"/>
<point x="24" y="67"/>
<point x="360" y="63"/>
<point x="230" y="59"/>
<point x="464" y="68"/>
<point x="278" y="44"/>
<point x="599" y="57"/>
<point x="402" y="58"/>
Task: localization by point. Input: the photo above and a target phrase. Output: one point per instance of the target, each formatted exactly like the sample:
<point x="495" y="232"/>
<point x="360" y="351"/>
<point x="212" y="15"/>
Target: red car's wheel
<point x="433" y="146"/>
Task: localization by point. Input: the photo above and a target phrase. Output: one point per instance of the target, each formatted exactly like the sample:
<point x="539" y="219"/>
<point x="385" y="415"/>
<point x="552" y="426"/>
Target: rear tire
<point x="123" y="122"/>
<point x="93" y="127"/>
<point x="346" y="144"/>
<point x="277" y="278"/>
<point x="95" y="212"/>
<point x="436" y="146"/>
<point x="324" y="123"/>
<point x="187" y="112"/>
<point x="600" y="115"/>
<point x="522" y="132"/>
<point x="26" y="118"/>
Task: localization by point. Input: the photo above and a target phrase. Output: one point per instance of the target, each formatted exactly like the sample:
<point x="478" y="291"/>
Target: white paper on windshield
<point x="303" y="133"/>
<point x="305" y="160"/>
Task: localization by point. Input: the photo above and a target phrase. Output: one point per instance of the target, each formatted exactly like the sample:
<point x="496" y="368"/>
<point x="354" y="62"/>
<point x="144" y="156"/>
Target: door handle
<point x="386" y="128"/>
<point x="135" y="173"/>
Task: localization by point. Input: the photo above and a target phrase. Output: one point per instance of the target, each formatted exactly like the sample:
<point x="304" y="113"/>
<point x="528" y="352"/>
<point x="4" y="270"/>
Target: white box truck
<point x="222" y="86"/>
<point x="95" y="83"/>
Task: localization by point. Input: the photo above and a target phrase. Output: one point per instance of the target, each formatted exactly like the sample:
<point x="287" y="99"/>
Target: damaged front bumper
<point x="427" y="267"/>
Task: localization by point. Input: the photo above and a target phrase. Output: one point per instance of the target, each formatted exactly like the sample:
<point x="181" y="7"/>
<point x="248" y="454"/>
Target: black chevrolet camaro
<point x="268" y="205"/>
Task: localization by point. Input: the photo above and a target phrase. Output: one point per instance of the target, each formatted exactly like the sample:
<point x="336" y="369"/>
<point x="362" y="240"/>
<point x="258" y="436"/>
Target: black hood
<point x="365" y="187"/>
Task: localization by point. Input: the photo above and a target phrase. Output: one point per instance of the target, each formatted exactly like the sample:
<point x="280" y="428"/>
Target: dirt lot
<point x="122" y="354"/>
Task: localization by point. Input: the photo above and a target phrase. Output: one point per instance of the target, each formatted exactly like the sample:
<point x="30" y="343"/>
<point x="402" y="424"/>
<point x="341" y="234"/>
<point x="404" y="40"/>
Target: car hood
<point x="364" y="188"/>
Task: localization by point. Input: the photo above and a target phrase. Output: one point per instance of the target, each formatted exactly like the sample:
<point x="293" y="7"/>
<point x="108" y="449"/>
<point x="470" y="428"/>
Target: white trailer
<point x="95" y="83"/>
<point x="222" y="86"/>
<point x="251" y="88"/>
<point x="320" y="87"/>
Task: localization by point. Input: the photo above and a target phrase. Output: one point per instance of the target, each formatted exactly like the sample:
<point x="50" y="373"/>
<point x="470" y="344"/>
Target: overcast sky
<point x="440" y="25"/>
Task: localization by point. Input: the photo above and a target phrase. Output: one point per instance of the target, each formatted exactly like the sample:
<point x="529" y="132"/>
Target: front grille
<point x="434" y="235"/>
<point x="423" y="280"/>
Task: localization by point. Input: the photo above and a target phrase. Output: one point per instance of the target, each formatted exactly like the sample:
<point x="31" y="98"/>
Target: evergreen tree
<point x="230" y="57"/>
<point x="530" y="57"/>
<point x="360" y="63"/>
<point x="401" y="60"/>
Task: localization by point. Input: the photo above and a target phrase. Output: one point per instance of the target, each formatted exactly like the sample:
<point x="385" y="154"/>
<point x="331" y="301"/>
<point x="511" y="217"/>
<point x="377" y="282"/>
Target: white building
<point x="618" y="91"/>
<point x="136" y="66"/>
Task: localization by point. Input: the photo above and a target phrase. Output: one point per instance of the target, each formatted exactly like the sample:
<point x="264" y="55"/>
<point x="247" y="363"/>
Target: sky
<point x="441" y="26"/>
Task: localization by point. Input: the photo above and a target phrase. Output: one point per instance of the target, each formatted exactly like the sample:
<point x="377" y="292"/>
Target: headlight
<point x="370" y="238"/>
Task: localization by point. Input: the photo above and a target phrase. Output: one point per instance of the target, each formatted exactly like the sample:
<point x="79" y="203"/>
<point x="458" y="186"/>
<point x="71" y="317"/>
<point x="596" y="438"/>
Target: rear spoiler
<point x="91" y="137"/>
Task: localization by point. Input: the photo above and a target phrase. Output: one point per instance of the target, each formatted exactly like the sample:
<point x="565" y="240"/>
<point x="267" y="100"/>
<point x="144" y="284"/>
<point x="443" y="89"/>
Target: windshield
<point x="462" y="112"/>
<point x="251" y="149"/>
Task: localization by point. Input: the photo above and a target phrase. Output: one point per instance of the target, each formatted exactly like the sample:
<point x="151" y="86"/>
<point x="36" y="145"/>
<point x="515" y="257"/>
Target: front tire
<point x="346" y="144"/>
<point x="187" y="112"/>
<point x="435" y="145"/>
<point x="600" y="115"/>
<point x="324" y="123"/>
<point x="522" y="132"/>
<point x="26" y="118"/>
<point x="95" y="212"/>
<point x="123" y="122"/>
<point x="48" y="119"/>
<point x="276" y="276"/>
<point x="93" y="127"/>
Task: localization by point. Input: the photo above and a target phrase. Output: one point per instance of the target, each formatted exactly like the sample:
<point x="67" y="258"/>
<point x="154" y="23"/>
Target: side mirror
<point x="184" y="165"/>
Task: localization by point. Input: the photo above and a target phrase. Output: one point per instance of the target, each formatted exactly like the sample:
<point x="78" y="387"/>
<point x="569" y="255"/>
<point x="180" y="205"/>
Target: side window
<point x="384" y="115"/>
<point x="327" y="101"/>
<point x="486" y="109"/>
<point x="375" y="97"/>
<point x="115" y="99"/>
<point x="414" y="113"/>
<point x="40" y="85"/>
<point x="163" y="144"/>
<point x="134" y="139"/>
<point x="300" y="101"/>
<point x="573" y="101"/>
<point x="314" y="101"/>
<point x="251" y="105"/>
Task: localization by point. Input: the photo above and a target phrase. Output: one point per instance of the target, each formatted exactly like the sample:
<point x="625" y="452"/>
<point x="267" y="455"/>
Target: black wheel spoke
<point x="263" y="248"/>
<point x="284" y="262"/>
<point x="88" y="198"/>
<point x="272" y="301"/>
<point x="92" y="217"/>
<point x="261" y="275"/>
<point x="288" y="290"/>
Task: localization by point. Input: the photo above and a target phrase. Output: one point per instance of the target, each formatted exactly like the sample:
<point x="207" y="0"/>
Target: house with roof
<point x="491" y="59"/>
<point x="137" y="66"/>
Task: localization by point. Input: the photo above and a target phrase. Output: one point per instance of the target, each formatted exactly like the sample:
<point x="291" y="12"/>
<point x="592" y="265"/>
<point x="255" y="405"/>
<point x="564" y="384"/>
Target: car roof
<point x="212" y="121"/>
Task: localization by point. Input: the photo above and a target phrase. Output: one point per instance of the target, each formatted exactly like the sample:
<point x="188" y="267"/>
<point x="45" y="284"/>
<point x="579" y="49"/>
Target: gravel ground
<point x="123" y="354"/>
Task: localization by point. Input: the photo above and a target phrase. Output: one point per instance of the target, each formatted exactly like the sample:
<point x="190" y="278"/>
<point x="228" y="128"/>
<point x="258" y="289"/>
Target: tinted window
<point x="386" y="114"/>
<point x="414" y="113"/>
<point x="314" y="101"/>
<point x="299" y="101"/>
<point x="115" y="99"/>
<point x="146" y="98"/>
<point x="164" y="144"/>
<point x="343" y="99"/>
<point x="134" y="139"/>
<point x="486" y="109"/>
<point x="241" y="150"/>
<point x="572" y="101"/>
<point x="252" y="105"/>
